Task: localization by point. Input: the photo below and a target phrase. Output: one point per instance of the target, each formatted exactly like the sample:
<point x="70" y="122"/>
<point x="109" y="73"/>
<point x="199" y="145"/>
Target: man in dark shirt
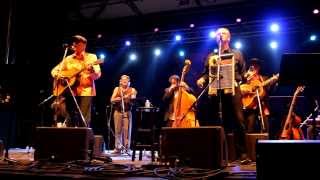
<point x="232" y="115"/>
<point x="170" y="94"/>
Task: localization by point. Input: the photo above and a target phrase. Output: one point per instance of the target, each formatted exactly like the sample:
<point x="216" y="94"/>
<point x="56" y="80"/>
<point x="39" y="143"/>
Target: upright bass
<point x="184" y="114"/>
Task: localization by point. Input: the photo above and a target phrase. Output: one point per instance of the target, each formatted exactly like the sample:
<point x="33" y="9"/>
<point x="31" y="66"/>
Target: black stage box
<point x="288" y="159"/>
<point x="63" y="144"/>
<point x="200" y="147"/>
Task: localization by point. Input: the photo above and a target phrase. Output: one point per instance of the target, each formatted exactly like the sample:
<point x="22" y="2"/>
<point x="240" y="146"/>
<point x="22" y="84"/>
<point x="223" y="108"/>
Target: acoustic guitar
<point x="290" y="129"/>
<point x="60" y="84"/>
<point x="249" y="95"/>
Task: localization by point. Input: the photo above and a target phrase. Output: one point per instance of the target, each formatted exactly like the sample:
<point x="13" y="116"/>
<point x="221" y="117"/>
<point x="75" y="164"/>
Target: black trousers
<point x="232" y="117"/>
<point x="85" y="103"/>
<point x="253" y="122"/>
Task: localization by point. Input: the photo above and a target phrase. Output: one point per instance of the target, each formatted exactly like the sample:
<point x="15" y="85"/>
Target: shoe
<point x="116" y="151"/>
<point x="244" y="159"/>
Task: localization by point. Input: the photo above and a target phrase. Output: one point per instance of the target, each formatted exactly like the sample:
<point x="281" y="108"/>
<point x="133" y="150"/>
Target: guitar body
<point x="248" y="91"/>
<point x="70" y="75"/>
<point x="59" y="85"/>
<point x="249" y="100"/>
<point x="291" y="128"/>
<point x="189" y="119"/>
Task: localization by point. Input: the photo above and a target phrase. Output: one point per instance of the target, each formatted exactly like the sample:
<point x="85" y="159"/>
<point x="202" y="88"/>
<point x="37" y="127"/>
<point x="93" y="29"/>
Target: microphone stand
<point x="219" y="83"/>
<point x="122" y="119"/>
<point x="69" y="87"/>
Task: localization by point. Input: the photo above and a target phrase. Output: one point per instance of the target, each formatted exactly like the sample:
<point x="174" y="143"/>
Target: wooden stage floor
<point x="21" y="164"/>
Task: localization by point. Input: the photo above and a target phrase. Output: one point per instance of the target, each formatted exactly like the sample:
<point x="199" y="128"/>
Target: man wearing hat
<point x="253" y="113"/>
<point x="169" y="94"/>
<point x="80" y="69"/>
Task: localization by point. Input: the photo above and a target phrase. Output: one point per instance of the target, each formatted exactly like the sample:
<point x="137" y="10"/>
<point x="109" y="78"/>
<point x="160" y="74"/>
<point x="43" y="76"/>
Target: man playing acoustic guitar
<point x="79" y="70"/>
<point x="256" y="105"/>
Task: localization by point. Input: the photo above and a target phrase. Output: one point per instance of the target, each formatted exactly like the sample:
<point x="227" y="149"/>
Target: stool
<point x="145" y="132"/>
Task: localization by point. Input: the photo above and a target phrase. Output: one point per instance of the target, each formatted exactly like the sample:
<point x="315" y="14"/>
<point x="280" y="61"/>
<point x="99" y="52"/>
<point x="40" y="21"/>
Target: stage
<point x="21" y="164"/>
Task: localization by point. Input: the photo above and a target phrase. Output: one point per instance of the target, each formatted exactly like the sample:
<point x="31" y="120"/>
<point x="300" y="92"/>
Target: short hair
<point x="79" y="38"/>
<point x="125" y="76"/>
<point x="174" y="77"/>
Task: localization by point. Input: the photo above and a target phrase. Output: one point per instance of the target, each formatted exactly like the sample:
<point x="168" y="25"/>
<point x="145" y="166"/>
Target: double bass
<point x="184" y="114"/>
<point x="291" y="129"/>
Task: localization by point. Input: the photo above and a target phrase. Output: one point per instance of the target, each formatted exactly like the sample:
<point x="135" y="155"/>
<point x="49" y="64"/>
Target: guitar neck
<point x="268" y="81"/>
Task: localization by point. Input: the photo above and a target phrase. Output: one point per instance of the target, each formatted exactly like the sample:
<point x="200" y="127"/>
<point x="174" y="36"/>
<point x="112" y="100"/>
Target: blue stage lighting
<point x="157" y="52"/>
<point x="273" y="44"/>
<point x="313" y="37"/>
<point x="212" y="34"/>
<point x="181" y="53"/>
<point x="133" y="56"/>
<point x="274" y="27"/>
<point x="238" y="45"/>
<point x="128" y="43"/>
<point x="178" y="37"/>
<point x="102" y="56"/>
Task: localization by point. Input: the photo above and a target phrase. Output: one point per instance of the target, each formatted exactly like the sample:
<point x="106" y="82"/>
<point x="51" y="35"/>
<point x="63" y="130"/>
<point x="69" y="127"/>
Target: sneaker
<point x="116" y="151"/>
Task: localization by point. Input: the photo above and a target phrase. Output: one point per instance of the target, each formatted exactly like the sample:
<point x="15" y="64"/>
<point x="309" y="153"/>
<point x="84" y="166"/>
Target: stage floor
<point x="21" y="163"/>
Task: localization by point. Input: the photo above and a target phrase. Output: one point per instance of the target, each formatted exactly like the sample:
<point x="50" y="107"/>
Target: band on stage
<point x="237" y="91"/>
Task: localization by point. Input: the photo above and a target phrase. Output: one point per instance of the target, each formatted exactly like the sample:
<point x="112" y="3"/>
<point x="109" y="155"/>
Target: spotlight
<point x="238" y="45"/>
<point x="128" y="43"/>
<point x="191" y="26"/>
<point x="156" y="29"/>
<point x="157" y="52"/>
<point x="313" y="37"/>
<point x="102" y="56"/>
<point x="178" y="37"/>
<point x="274" y="27"/>
<point x="212" y="34"/>
<point x="215" y="50"/>
<point x="273" y="44"/>
<point x="132" y="56"/>
<point x="181" y="53"/>
<point x="315" y="11"/>
<point x="99" y="36"/>
<point x="238" y="20"/>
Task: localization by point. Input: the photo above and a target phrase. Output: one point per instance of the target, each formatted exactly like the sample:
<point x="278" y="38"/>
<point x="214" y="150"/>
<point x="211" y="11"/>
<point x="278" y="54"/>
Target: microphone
<point x="65" y="45"/>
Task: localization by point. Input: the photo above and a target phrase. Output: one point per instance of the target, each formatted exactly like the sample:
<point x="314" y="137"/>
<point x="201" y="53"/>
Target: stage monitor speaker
<point x="200" y="147"/>
<point x="296" y="159"/>
<point x="63" y="144"/>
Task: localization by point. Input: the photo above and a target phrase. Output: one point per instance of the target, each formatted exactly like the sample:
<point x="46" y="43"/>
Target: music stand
<point x="298" y="69"/>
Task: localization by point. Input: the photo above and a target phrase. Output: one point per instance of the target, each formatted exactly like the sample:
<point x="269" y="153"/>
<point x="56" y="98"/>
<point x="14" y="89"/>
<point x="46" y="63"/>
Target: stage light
<point x="181" y="53"/>
<point x="128" y="43"/>
<point x="315" y="11"/>
<point x="132" y="56"/>
<point x="313" y="37"/>
<point x="238" y="20"/>
<point x="178" y="37"/>
<point x="102" y="56"/>
<point x="274" y="27"/>
<point x="215" y="50"/>
<point x="99" y="36"/>
<point x="212" y="34"/>
<point x="191" y="26"/>
<point x="238" y="45"/>
<point x="273" y="44"/>
<point x="156" y="29"/>
<point x="157" y="52"/>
